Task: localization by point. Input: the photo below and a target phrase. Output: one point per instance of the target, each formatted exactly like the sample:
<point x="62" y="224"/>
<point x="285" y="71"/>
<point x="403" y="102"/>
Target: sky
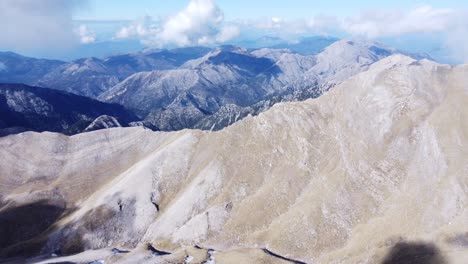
<point x="249" y="9"/>
<point x="68" y="29"/>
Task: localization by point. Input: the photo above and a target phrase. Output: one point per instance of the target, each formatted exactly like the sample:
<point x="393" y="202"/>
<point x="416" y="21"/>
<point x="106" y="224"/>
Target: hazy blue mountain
<point x="15" y="68"/>
<point x="256" y="43"/>
<point x="308" y="45"/>
<point x="103" y="49"/>
<point x="92" y="76"/>
<point x="24" y="107"/>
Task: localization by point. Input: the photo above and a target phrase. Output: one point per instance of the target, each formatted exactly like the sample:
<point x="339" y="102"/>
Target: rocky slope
<point x="374" y="171"/>
<point x="197" y="94"/>
<point x="27" y="108"/>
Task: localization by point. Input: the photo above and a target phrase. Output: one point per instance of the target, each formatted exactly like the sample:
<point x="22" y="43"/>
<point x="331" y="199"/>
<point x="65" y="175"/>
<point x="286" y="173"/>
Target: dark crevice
<point x="154" y="202"/>
<point x="282" y="257"/>
<point x="156" y="206"/>
<point x="117" y="251"/>
<point x="120" y="205"/>
<point x="228" y="206"/>
<point x="156" y="252"/>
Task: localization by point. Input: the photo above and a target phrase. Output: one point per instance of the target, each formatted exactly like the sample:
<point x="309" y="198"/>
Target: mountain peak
<point x="227" y="54"/>
<point x="354" y="46"/>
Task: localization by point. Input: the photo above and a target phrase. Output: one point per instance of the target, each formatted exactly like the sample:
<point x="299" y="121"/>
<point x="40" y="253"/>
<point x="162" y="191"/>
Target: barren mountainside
<point x="15" y="68"/>
<point x="377" y="163"/>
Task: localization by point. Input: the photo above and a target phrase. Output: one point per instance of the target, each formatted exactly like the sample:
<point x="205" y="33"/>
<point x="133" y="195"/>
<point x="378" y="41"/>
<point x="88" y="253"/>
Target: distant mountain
<point x="207" y="88"/>
<point x="177" y="99"/>
<point x="25" y="107"/>
<point x="262" y="42"/>
<point x="307" y="46"/>
<point x="92" y="76"/>
<point x="15" y="68"/>
<point x="230" y="83"/>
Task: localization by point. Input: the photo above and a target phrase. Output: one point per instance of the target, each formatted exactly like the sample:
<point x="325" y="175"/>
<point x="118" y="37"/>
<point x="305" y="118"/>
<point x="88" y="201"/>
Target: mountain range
<point x="27" y="108"/>
<point x="199" y="87"/>
<point x="15" y="68"/>
<point x="93" y="76"/>
<point x="230" y="83"/>
<point x="373" y="171"/>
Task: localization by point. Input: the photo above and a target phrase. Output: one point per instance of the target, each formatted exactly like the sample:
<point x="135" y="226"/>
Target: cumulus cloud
<point x="457" y="40"/>
<point x="200" y="23"/>
<point x="140" y="28"/>
<point x="27" y="25"/>
<point x="372" y="24"/>
<point x="388" y="24"/>
<point x="86" y="35"/>
<point x="450" y="23"/>
<point x="227" y="33"/>
<point x="268" y="23"/>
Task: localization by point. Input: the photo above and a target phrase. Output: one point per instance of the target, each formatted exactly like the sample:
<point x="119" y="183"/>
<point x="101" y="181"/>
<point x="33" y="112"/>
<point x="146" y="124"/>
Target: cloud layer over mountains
<point x="202" y="23"/>
<point x="27" y="25"/>
<point x="451" y="23"/>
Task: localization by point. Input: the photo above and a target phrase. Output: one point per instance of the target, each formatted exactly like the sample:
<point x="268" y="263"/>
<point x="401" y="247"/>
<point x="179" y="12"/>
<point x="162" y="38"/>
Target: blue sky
<point x="251" y="9"/>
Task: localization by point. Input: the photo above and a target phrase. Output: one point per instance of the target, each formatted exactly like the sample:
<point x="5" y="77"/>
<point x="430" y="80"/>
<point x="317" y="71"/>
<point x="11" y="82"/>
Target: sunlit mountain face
<point x="203" y="131"/>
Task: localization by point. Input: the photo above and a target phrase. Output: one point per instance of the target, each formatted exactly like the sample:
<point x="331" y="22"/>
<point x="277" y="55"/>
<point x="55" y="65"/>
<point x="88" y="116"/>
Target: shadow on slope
<point x="21" y="227"/>
<point x="414" y="253"/>
<point x="29" y="108"/>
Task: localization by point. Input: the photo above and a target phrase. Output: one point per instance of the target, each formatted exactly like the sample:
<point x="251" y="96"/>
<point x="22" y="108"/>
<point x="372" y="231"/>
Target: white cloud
<point x="451" y="24"/>
<point x="227" y="33"/>
<point x="457" y="40"/>
<point x="389" y="24"/>
<point x="372" y="24"/>
<point x="86" y="35"/>
<point x="196" y="23"/>
<point x="28" y="25"/>
<point x="200" y="23"/>
<point x="139" y="28"/>
<point x="269" y="23"/>
<point x="323" y="23"/>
